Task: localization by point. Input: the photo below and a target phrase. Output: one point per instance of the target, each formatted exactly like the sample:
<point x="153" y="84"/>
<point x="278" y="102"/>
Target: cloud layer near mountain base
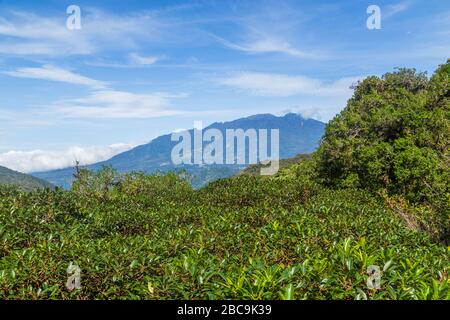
<point x="40" y="160"/>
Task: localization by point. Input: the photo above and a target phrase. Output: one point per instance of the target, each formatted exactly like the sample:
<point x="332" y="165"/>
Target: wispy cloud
<point x="279" y="85"/>
<point x="52" y="73"/>
<point x="133" y="60"/>
<point x="265" y="30"/>
<point x="268" y="45"/>
<point x="117" y="104"/>
<point x="393" y="9"/>
<point x="141" y="60"/>
<point x="41" y="160"/>
<point x="26" y="33"/>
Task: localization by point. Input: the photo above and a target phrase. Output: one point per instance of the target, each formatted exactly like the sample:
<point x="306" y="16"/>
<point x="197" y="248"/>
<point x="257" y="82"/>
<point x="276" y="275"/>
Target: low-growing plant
<point x="241" y="238"/>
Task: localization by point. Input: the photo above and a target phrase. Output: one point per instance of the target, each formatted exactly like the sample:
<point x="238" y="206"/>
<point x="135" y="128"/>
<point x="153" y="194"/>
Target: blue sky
<point x="138" y="69"/>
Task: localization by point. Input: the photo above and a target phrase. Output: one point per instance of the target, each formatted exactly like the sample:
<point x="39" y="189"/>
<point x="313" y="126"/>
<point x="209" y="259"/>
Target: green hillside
<point x="21" y="180"/>
<point x="373" y="197"/>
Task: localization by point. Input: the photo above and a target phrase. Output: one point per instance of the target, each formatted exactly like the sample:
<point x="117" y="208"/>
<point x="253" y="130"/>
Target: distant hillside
<point x="24" y="181"/>
<point x="297" y="135"/>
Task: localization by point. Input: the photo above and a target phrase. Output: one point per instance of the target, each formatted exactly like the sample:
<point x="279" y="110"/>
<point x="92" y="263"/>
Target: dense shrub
<point x="247" y="191"/>
<point x="394" y="135"/>
<point x="107" y="184"/>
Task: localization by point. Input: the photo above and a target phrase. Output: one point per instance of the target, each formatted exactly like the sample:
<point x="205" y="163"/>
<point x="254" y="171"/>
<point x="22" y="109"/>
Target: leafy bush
<point x="394" y="134"/>
<point x="107" y="183"/>
<point x="248" y="191"/>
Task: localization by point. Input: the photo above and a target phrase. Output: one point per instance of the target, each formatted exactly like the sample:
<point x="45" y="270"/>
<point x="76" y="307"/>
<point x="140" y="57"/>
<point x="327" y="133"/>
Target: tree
<point x="393" y="135"/>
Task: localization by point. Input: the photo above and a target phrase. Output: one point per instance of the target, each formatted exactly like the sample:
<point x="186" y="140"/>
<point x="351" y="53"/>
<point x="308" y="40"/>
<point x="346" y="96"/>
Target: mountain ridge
<point x="297" y="135"/>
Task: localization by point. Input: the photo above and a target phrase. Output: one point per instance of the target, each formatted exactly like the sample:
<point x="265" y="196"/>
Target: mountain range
<point x="297" y="135"/>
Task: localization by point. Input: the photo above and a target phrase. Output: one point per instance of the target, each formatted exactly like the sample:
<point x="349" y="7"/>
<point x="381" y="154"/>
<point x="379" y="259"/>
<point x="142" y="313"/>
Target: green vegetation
<point x="394" y="136"/>
<point x="23" y="181"/>
<point x="309" y="232"/>
<point x="255" y="169"/>
<point x="243" y="237"/>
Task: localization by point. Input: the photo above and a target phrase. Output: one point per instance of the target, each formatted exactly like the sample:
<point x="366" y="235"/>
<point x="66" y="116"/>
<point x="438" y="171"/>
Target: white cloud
<point x="278" y="85"/>
<point x="26" y="33"/>
<point x="273" y="27"/>
<point x="30" y="34"/>
<point x="396" y="8"/>
<point x="117" y="104"/>
<point x="52" y="73"/>
<point x="267" y="45"/>
<point x="140" y="60"/>
<point x="318" y="112"/>
<point x="40" y="160"/>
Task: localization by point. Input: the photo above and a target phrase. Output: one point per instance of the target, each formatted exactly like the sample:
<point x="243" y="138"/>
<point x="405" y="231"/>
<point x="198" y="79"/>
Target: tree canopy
<point x="394" y="135"/>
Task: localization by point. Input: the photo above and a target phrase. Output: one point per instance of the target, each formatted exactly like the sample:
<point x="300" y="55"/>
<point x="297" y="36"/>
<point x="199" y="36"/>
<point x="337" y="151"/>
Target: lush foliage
<point x="153" y="237"/>
<point x="394" y="135"/>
